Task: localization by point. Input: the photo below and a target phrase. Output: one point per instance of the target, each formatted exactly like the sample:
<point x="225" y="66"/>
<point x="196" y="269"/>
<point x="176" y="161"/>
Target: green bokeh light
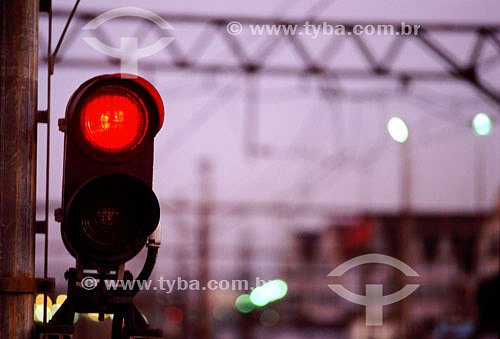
<point x="277" y="289"/>
<point x="397" y="129"/>
<point x="482" y="124"/>
<point x="243" y="304"/>
<point x="269" y="292"/>
<point x="260" y="296"/>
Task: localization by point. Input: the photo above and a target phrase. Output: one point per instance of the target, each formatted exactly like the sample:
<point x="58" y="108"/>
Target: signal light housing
<point x="109" y="208"/>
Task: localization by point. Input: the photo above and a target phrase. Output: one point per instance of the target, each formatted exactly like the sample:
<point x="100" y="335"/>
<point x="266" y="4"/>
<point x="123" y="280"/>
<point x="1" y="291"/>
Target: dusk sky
<point x="299" y="130"/>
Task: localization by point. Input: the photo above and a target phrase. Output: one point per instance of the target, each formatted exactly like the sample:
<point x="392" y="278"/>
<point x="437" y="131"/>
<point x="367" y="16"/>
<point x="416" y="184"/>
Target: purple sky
<point x="296" y="123"/>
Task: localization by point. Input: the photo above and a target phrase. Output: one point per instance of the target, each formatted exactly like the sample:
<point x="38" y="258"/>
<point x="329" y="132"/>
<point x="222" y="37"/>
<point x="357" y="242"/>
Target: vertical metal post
<point x="18" y="107"/>
<point x="479" y="172"/>
<point x="183" y="271"/>
<point x="50" y="70"/>
<point x="406" y="176"/>
<point x="205" y="210"/>
<point x="245" y="321"/>
<point x="251" y="142"/>
<point x="406" y="228"/>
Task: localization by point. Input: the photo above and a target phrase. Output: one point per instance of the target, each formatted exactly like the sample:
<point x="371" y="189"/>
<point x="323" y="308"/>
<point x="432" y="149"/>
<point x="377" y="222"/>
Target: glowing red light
<point x="173" y="314"/>
<point x="113" y="119"/>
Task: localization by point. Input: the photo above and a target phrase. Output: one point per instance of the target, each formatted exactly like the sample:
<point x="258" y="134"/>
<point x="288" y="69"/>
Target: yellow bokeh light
<point x="61" y="298"/>
<point x="94" y="316"/>
<point x="39" y="301"/>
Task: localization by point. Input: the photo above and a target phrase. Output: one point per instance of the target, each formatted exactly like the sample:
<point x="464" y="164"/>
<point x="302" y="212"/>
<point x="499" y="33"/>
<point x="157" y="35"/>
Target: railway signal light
<point x="109" y="208"/>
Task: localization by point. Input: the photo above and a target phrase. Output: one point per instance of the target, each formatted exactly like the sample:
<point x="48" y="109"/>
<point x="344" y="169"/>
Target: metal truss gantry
<point x="254" y="59"/>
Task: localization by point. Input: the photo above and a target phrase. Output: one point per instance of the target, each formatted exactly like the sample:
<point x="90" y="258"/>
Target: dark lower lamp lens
<point x="110" y="218"/>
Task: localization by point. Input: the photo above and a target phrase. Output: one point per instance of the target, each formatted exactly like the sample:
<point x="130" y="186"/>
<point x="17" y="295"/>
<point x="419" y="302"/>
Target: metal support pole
<point x="405" y="229"/>
<point x="479" y="172"/>
<point x="18" y="107"/>
<point x="246" y="320"/>
<point x="251" y="118"/>
<point x="205" y="210"/>
<point x="183" y="271"/>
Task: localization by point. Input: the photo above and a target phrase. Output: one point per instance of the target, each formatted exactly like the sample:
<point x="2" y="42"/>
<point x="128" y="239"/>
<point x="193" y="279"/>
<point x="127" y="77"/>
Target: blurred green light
<point x="243" y="304"/>
<point x="397" y="129"/>
<point x="269" y="292"/>
<point x="260" y="296"/>
<point x="482" y="124"/>
<point x="277" y="289"/>
<point x="273" y="290"/>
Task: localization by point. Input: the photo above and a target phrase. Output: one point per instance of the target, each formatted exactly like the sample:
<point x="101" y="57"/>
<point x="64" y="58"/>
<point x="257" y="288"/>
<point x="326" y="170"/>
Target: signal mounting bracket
<point x="128" y="322"/>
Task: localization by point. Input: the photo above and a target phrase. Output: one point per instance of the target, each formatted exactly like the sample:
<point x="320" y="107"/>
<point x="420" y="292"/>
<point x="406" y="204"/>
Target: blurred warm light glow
<point x="93" y="316"/>
<point x="173" y="314"/>
<point x="39" y="300"/>
<point x="61" y="298"/>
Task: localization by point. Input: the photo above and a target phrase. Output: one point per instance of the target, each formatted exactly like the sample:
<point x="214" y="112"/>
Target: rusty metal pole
<point x="18" y="107"/>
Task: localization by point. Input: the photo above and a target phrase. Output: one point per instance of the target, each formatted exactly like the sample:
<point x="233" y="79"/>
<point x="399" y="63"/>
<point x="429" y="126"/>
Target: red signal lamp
<point x="111" y="115"/>
<point x="113" y="119"/>
<point x="109" y="208"/>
